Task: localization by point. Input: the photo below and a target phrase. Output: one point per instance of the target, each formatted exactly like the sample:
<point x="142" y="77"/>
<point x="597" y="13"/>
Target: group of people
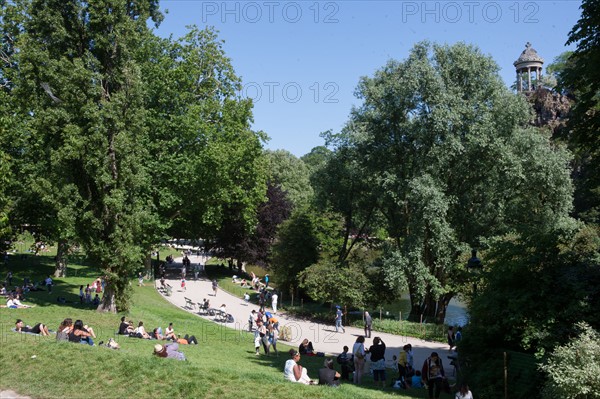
<point x="266" y="333"/>
<point x="75" y="332"/>
<point x="127" y="328"/>
<point x="96" y="288"/>
<point x="431" y="374"/>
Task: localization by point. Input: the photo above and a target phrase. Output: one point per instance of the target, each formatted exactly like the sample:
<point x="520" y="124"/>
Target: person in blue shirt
<point x="416" y="381"/>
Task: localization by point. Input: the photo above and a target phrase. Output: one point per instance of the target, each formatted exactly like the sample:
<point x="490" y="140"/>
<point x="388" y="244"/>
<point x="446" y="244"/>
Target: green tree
<point x="438" y="137"/>
<point x="292" y="175"/>
<point x="573" y="370"/>
<point x="80" y="84"/>
<point x="207" y="164"/>
<point x="302" y="240"/>
<point x="581" y="77"/>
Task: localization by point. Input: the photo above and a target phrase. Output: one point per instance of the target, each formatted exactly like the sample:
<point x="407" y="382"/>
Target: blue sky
<point x="300" y="61"/>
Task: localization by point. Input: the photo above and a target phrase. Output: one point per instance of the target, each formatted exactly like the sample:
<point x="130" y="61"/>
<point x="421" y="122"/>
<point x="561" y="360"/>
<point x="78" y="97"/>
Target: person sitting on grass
<point x="170" y="333"/>
<point x="327" y="375"/>
<point x="14" y="303"/>
<point x="170" y="351"/>
<point x="62" y="334"/>
<point x="140" y="331"/>
<point x="39" y="328"/>
<point x="80" y="334"/>
<point x="96" y="300"/>
<point x="294" y="372"/>
<point x="125" y="328"/>
<point x="306" y="348"/>
<point x="416" y="380"/>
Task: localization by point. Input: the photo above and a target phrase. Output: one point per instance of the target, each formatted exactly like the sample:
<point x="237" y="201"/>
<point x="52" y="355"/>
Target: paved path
<point x="323" y="337"/>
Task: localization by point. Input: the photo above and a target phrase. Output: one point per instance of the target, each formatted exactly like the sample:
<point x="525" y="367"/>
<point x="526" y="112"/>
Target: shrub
<point x="573" y="370"/>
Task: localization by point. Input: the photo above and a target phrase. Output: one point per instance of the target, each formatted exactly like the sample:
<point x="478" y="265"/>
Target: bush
<point x="573" y="370"/>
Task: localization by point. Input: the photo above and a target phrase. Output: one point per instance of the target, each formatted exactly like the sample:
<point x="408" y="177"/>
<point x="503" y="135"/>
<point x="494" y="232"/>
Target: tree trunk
<point x="148" y="265"/>
<point x="108" y="303"/>
<point x="442" y="307"/>
<point x="61" y="261"/>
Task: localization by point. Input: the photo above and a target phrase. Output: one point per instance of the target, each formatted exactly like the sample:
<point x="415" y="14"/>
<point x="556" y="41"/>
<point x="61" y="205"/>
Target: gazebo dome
<point x="528" y="55"/>
<point x="529" y="69"/>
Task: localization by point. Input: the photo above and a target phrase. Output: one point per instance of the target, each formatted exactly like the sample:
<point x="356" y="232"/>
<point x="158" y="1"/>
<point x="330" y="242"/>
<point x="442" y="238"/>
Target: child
<point x="246" y="297"/>
<point x="416" y="380"/>
<point x="183" y="284"/>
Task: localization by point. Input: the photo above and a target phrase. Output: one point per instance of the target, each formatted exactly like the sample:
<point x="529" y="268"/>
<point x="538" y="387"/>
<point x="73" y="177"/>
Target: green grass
<point x="222" y="365"/>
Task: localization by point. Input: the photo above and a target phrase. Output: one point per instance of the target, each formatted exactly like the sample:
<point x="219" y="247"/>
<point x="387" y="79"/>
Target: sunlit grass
<point x="222" y="365"/>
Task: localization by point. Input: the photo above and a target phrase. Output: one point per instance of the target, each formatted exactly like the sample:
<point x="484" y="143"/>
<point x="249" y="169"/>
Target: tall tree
<point x="438" y="136"/>
<point x="581" y="77"/>
<point x="80" y="83"/>
<point x="292" y="175"/>
<point x="207" y="164"/>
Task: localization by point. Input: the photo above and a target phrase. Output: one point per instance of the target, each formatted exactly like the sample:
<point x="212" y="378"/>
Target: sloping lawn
<point x="223" y="365"/>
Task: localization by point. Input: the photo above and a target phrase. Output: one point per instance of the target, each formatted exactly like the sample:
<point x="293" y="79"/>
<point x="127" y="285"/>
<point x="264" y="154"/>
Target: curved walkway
<point x="323" y="337"/>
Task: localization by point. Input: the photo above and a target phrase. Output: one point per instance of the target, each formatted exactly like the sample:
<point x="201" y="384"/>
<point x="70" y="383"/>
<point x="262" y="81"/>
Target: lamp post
<point x="475" y="266"/>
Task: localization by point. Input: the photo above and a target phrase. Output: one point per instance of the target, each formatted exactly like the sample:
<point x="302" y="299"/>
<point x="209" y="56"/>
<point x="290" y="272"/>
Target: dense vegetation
<point x="113" y="139"/>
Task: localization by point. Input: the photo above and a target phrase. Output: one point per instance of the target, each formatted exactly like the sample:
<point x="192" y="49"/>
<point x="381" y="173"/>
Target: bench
<point x="202" y="309"/>
<point x="189" y="303"/>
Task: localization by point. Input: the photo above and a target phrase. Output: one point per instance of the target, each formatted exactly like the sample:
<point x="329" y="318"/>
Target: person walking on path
<point x="338" y="319"/>
<point x="432" y="374"/>
<point x="215" y="285"/>
<point x="368" y="324"/>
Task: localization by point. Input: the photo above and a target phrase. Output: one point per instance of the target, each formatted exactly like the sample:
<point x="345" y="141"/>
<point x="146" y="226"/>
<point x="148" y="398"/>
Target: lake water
<point x="455" y="315"/>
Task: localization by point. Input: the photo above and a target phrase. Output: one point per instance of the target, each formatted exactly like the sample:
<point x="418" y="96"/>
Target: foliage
<point x="292" y="175"/>
<point x="327" y="282"/>
<point x="207" y="164"/>
<point x="581" y="77"/>
<point x="509" y="312"/>
<point x="303" y="240"/>
<point x="80" y="90"/>
<point x="573" y="369"/>
<point x="438" y="140"/>
<point x="276" y="210"/>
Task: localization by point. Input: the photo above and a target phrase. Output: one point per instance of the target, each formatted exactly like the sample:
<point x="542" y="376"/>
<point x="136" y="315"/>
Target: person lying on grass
<point x="39" y="328"/>
<point x="170" y="351"/>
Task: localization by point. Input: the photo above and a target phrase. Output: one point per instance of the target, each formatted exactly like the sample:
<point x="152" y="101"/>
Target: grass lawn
<point x="223" y="365"/>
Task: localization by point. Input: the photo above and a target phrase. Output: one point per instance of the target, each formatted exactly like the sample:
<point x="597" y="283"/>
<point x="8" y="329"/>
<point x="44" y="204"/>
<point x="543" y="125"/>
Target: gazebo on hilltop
<point x="529" y="69"/>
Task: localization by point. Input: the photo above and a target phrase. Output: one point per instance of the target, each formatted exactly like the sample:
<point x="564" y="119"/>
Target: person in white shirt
<point x="274" y="299"/>
<point x="294" y="372"/>
<point x="170" y="333"/>
<point x="141" y="331"/>
<point x="464" y="392"/>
